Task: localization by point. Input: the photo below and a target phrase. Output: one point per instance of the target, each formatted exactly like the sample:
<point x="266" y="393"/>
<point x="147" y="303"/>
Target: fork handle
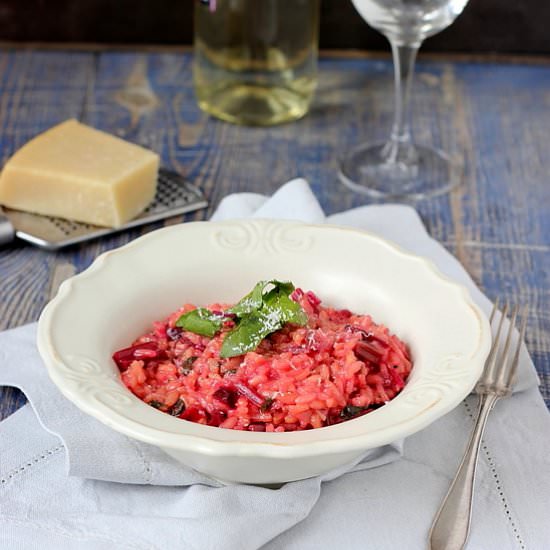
<point x="451" y="526"/>
<point x="7" y="232"/>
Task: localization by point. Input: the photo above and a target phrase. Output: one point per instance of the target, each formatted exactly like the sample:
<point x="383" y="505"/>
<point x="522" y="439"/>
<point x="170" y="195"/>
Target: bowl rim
<point x="247" y="445"/>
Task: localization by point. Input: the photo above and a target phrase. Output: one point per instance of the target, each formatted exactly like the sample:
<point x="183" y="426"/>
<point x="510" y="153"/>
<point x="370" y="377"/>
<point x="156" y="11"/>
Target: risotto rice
<point x="339" y="366"/>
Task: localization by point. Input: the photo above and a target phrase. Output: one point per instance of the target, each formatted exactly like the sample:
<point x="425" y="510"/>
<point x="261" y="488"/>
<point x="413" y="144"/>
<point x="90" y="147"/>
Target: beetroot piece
<point x="227" y="396"/>
<point x="313" y="299"/>
<point x="249" y="393"/>
<point x="256" y="427"/>
<point x="297" y="294"/>
<point x="366" y="352"/>
<point x="144" y="351"/>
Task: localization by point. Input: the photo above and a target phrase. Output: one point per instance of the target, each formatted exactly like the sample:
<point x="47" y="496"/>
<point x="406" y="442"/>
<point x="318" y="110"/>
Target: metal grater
<point x="174" y="196"/>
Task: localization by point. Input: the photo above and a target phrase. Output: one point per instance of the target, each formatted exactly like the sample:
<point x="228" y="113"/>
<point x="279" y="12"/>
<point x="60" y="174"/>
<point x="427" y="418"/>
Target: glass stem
<point x="404" y="57"/>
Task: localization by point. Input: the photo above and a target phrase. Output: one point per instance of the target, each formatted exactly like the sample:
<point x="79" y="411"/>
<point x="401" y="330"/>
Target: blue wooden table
<point x="493" y="115"/>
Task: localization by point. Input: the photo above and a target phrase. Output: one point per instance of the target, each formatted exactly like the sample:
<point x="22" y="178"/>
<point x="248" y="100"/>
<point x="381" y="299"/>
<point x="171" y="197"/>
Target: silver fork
<point x="451" y="525"/>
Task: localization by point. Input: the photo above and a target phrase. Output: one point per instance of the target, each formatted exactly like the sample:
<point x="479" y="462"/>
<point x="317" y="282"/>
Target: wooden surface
<point x="505" y="26"/>
<point x="495" y="116"/>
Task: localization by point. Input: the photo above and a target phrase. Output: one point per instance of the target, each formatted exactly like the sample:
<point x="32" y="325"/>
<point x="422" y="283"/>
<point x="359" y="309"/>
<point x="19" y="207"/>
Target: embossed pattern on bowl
<point x="205" y="262"/>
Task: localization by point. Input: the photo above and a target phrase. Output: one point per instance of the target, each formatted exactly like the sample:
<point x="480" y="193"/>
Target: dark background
<point x="496" y="26"/>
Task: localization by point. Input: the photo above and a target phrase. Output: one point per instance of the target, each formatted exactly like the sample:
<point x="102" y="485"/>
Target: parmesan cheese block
<point x="79" y="173"/>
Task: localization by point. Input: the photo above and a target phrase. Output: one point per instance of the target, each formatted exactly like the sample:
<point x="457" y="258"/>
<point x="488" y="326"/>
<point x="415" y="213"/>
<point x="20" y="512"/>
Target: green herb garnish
<point x="187" y="365"/>
<point x="262" y="311"/>
<point x="266" y="405"/>
<point x="254" y="299"/>
<point x="351" y="411"/>
<point x="178" y="407"/>
<point x="251" y="302"/>
<point x="260" y="317"/>
<point x="201" y="321"/>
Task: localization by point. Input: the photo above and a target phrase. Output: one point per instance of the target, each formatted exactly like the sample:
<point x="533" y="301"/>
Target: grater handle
<point x="7" y="231"/>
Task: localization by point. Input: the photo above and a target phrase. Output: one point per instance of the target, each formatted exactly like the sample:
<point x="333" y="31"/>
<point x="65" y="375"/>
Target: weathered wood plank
<point x="493" y="115"/>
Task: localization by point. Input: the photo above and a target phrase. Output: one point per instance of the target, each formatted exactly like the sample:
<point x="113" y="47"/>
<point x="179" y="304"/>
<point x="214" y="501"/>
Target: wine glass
<point x="398" y="167"/>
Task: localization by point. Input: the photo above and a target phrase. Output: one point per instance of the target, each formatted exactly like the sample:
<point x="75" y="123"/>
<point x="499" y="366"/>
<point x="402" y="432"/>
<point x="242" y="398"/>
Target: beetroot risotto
<point x="276" y="361"/>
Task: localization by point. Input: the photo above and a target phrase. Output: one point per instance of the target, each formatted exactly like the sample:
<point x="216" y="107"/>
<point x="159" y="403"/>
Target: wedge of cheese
<point x="79" y="173"/>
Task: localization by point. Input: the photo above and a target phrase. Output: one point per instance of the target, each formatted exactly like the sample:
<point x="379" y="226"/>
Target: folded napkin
<point x="157" y="503"/>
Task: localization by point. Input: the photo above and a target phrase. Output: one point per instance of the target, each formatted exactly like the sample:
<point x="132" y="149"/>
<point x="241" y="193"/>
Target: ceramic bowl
<point x="117" y="298"/>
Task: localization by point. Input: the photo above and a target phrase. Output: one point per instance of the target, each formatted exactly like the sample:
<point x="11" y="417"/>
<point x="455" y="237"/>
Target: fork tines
<point x="500" y="369"/>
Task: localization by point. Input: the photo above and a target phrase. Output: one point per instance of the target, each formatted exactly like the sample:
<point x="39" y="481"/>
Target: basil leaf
<point x="258" y="314"/>
<point x="287" y="309"/>
<point x="200" y="321"/>
<point x="277" y="309"/>
<point x="252" y="301"/>
<point x="247" y="335"/>
<point x="285" y="287"/>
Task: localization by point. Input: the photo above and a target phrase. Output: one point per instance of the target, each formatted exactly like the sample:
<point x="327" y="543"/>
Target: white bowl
<point x="117" y="298"/>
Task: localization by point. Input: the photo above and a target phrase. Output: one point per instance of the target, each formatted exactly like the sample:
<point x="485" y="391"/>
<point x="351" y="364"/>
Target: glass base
<point x="254" y="105"/>
<point x="394" y="170"/>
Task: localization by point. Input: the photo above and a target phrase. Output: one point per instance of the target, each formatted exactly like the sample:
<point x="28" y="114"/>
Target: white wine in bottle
<point x="256" y="60"/>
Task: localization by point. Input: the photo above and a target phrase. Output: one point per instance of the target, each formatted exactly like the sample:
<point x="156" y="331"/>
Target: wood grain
<point x="494" y="116"/>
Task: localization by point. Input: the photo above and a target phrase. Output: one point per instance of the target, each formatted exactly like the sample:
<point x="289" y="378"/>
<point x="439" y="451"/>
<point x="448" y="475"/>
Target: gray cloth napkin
<point x="158" y="504"/>
<point x="93" y="450"/>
